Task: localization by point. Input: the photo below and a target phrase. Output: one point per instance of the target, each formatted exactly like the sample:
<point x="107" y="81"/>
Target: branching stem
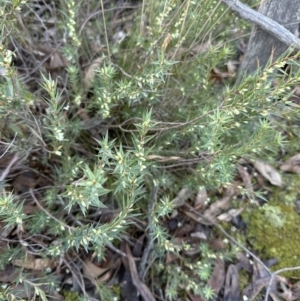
<point x="264" y="22"/>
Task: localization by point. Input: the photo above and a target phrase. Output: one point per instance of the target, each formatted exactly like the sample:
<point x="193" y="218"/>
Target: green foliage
<point x="191" y="277"/>
<point x="149" y="118"/>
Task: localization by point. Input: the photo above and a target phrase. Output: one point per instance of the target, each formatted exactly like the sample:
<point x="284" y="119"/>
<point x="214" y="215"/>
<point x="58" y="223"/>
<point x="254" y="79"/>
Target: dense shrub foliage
<point x="121" y="120"/>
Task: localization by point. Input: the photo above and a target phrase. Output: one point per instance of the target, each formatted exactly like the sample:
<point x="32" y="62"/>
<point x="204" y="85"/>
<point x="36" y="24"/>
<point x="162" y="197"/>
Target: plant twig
<point x="48" y="213"/>
<point x="273" y="276"/>
<point x="113" y="248"/>
<point x="79" y="281"/>
<point x="150" y="242"/>
<point x="8" y="168"/>
<point x="9" y="146"/>
<point x="264" y="22"/>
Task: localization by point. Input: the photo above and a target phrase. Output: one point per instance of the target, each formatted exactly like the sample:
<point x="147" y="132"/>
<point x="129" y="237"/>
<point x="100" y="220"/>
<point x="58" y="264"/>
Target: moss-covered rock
<point x="273" y="229"/>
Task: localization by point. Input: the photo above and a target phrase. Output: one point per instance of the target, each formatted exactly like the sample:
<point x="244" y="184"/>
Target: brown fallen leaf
<point x="269" y="172"/>
<point x="94" y="269"/>
<point x="91" y="71"/>
<point x="217" y="244"/>
<point x="232" y="66"/>
<point x="141" y="286"/>
<point x="244" y="263"/>
<point x="260" y="280"/>
<point x="9" y="274"/>
<point x="36" y="264"/>
<point x="292" y="164"/>
<point x="217" y="75"/>
<point x="57" y="60"/>
<point x="275" y="297"/>
<point x="217" y="207"/>
<point x="138" y="246"/>
<point x="259" y="271"/>
<point x="91" y="270"/>
<point x="201" y="198"/>
<point x="197" y="218"/>
<point x="105" y="277"/>
<point x="228" y="216"/>
<point x="253" y="289"/>
<point x="232" y="290"/>
<point x="245" y="177"/>
<point x="185" y="230"/>
<point x="217" y="278"/>
<point x="287" y="295"/>
<point x="296" y="290"/>
<point x="128" y="291"/>
<point x="182" y="196"/>
<point x="198" y="234"/>
<point x="25" y="181"/>
<point x="54" y="59"/>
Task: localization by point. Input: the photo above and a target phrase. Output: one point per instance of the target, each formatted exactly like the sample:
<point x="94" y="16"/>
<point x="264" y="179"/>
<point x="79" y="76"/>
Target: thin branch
<point x="150" y="236"/>
<point x="105" y="30"/>
<point x="79" y="281"/>
<point x="9" y="145"/>
<point x="8" y="168"/>
<point x="48" y="213"/>
<point x="264" y="22"/>
<point x="114" y="249"/>
<point x="273" y="276"/>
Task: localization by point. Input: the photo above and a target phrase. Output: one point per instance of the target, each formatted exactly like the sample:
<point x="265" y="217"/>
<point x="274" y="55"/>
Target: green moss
<point x="273" y="229"/>
<point x="70" y="296"/>
<point x="243" y="279"/>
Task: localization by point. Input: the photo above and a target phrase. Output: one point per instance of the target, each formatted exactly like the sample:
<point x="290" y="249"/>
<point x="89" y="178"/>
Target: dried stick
<point x="8" y="168"/>
<point x="264" y="22"/>
<point x="273" y="276"/>
<point x="150" y="243"/>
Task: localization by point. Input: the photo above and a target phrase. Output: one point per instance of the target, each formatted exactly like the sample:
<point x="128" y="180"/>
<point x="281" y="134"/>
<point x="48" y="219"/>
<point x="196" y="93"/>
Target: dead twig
<point x="8" y="168"/>
<point x="273" y="276"/>
<point x="78" y="277"/>
<point x="150" y="242"/>
<point x="264" y="22"/>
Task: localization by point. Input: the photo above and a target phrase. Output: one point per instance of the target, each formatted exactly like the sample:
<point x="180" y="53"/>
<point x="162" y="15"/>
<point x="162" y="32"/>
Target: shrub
<point x="145" y="119"/>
